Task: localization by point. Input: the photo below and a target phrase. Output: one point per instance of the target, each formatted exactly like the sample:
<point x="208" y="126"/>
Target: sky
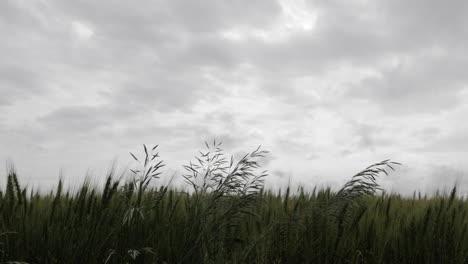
<point x="328" y="87"/>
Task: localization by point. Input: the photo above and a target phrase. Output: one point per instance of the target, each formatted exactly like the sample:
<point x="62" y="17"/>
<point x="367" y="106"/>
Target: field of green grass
<point x="227" y="217"/>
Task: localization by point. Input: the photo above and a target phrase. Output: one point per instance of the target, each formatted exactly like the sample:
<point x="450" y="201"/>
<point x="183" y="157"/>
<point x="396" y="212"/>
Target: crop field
<point x="226" y="216"/>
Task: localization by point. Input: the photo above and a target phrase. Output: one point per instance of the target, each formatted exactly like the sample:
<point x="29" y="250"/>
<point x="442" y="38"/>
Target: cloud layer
<point x="327" y="86"/>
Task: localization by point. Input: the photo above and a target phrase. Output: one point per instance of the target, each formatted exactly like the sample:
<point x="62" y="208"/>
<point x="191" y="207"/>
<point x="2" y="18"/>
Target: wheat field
<point x="228" y="217"/>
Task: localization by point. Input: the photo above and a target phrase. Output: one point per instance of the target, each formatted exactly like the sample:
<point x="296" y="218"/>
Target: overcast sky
<point x="327" y="87"/>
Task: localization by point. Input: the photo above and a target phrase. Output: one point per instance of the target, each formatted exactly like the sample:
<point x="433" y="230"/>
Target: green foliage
<point x="227" y="217"/>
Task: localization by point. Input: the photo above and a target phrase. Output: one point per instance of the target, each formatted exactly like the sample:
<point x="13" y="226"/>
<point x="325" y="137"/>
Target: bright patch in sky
<point x="297" y="17"/>
<point x="81" y="30"/>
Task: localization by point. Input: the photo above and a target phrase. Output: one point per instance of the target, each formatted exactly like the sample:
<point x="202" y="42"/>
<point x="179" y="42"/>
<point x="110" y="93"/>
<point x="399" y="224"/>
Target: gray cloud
<point x="421" y="84"/>
<point x="17" y="82"/>
<point x="77" y="120"/>
<point x="312" y="81"/>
